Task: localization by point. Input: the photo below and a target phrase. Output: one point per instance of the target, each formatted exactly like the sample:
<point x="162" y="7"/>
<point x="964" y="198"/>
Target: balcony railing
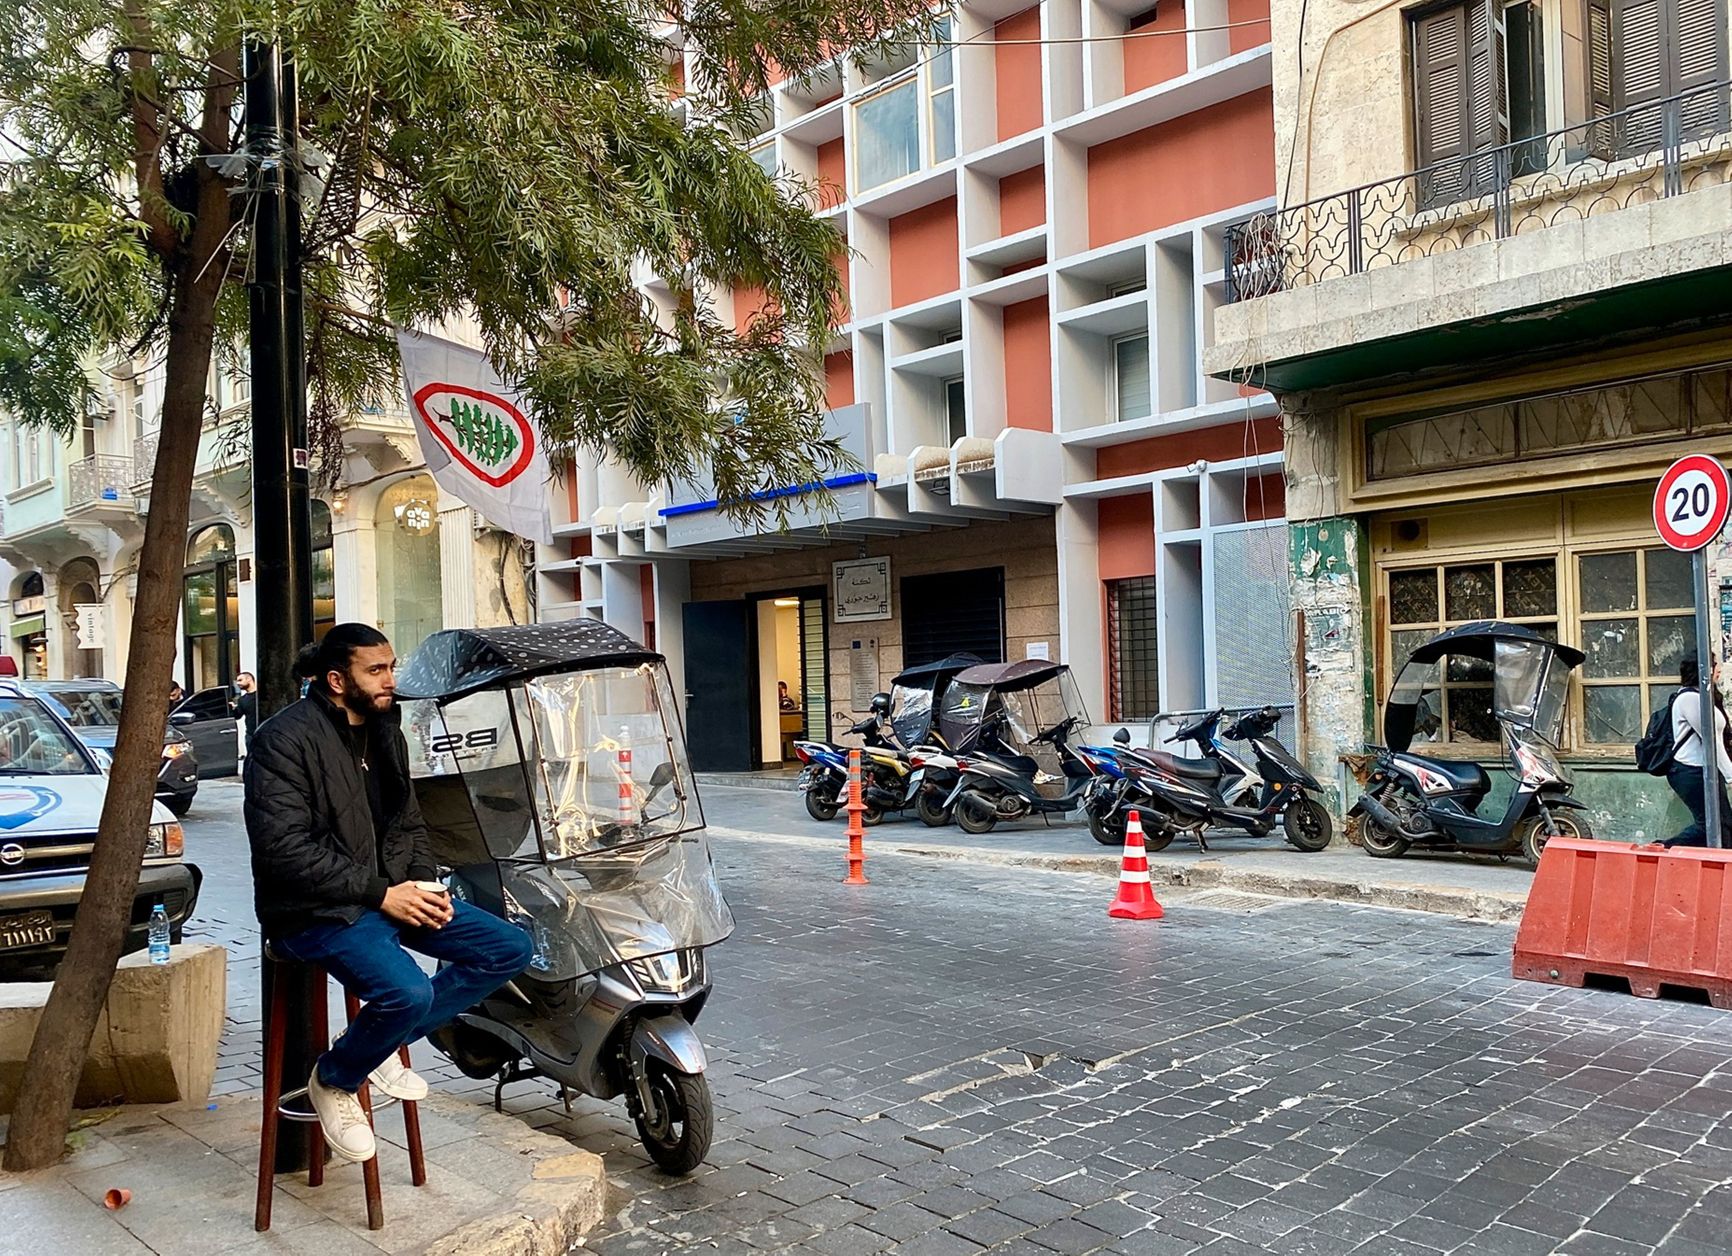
<point x="1648" y="152"/>
<point x="102" y="480"/>
<point x="144" y="456"/>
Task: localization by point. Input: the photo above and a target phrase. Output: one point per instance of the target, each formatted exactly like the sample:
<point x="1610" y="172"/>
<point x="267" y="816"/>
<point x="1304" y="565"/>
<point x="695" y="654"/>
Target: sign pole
<point x="1691" y="505"/>
<point x="1705" y="693"/>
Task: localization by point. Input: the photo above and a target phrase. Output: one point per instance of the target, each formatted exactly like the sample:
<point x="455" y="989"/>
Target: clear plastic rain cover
<point x="576" y="785"/>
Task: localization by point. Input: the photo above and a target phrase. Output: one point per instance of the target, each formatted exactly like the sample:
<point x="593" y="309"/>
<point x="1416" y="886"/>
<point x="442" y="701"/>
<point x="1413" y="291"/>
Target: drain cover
<point x="1233" y="900"/>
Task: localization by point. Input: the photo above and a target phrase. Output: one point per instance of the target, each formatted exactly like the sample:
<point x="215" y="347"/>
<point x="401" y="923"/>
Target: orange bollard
<point x="856" y="830"/>
<point x="627" y="802"/>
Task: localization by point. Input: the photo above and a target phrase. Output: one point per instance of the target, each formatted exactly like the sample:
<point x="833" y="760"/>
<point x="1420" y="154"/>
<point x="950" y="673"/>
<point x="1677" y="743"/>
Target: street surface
<point x="957" y="1058"/>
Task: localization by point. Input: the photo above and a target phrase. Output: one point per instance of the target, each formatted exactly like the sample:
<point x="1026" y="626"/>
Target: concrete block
<point x="156" y="1041"/>
<point x="1290" y="310"/>
<point x="1344" y="297"/>
<point x="1620" y="231"/>
<point x="1402" y="284"/>
<point x="1464" y="269"/>
<point x="1705" y="212"/>
<point x="1558" y="247"/>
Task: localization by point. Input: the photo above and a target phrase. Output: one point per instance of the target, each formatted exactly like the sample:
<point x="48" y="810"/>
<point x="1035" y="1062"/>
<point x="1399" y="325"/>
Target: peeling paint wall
<point x="1326" y="581"/>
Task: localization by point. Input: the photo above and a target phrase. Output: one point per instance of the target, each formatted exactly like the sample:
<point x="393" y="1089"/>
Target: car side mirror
<point x="182" y="718"/>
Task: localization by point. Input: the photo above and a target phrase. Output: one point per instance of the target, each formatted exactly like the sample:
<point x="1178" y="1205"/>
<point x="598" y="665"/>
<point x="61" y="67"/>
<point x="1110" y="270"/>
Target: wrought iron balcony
<point x="100" y="481"/>
<point x="1648" y="152"/>
<point x="144" y="457"/>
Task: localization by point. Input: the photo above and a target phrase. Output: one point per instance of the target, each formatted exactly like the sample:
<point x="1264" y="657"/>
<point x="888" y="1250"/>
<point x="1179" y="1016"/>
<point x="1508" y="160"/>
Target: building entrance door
<point x="719" y="671"/>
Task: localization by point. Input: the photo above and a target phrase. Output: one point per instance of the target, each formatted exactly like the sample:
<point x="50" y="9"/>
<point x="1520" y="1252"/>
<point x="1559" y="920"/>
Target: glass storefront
<point x="411" y="606"/>
<point x="211" y="609"/>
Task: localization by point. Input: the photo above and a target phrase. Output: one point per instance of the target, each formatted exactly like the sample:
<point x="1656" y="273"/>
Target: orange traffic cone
<point x="1136" y="900"/>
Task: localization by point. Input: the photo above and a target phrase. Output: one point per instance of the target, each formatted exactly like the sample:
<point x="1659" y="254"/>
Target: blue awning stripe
<point x="840" y="481"/>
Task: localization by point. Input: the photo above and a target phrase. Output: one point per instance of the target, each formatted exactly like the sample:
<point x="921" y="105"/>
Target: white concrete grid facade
<point x="1030" y="300"/>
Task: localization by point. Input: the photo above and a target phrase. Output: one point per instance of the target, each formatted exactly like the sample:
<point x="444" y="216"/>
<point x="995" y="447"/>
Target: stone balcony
<point x="1617" y="229"/>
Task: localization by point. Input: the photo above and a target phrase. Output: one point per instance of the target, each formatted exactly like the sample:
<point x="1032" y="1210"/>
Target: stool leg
<point x="321" y="1027"/>
<point x="412" y="1131"/>
<point x="369" y="1170"/>
<point x="272" y="1097"/>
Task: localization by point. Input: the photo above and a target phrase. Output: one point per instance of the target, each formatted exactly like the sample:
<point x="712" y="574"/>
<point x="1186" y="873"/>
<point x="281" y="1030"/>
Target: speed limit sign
<point x="1691" y="503"/>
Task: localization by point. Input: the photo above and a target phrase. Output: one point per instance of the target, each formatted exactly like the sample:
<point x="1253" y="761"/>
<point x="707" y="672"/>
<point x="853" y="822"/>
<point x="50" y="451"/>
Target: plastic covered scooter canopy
<point x="459" y="661"/>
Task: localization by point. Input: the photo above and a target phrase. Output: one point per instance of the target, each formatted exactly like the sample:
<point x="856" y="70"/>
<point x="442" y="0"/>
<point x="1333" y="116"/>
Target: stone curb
<point x="1466" y="904"/>
<point x="561" y="1201"/>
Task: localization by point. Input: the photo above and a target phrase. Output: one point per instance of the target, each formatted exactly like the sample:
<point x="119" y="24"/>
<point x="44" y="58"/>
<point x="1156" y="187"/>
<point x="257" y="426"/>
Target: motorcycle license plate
<point x="33" y="928"/>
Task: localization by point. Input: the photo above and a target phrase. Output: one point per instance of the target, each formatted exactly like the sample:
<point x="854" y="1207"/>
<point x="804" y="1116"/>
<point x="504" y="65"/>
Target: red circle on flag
<point x="1691" y="502"/>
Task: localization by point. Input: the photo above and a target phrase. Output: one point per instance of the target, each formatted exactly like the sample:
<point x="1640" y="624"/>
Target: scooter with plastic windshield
<point x="551" y="770"/>
<point x="888" y="780"/>
<point x="1432" y="803"/>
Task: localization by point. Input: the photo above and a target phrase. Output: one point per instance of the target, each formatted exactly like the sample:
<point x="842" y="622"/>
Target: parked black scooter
<point x="888" y="781"/>
<point x="1418" y="801"/>
<point x="1000" y="784"/>
<point x="1229" y="789"/>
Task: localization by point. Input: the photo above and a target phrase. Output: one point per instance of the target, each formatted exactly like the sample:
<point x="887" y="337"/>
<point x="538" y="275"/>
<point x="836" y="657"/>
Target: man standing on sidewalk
<point x="342" y="878"/>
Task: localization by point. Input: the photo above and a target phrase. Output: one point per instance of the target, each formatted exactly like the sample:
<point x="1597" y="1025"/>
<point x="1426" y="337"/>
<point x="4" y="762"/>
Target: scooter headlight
<point x="672" y="972"/>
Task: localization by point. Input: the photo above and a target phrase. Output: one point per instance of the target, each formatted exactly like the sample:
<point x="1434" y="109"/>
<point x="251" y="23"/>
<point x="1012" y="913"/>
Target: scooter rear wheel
<point x="677" y="1135"/>
<point x="976" y="813"/>
<point x="817" y="808"/>
<point x="1380" y="843"/>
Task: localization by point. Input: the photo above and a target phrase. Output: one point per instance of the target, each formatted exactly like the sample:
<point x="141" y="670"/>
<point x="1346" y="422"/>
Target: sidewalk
<point x="1470" y="887"/>
<point x="495" y="1187"/>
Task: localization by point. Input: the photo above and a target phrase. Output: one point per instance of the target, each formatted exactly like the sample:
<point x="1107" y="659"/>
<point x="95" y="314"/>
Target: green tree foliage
<point x="483" y="160"/>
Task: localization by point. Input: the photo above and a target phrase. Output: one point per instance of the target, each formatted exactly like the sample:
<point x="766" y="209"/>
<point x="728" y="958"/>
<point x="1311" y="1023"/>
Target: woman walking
<point x="1685" y="774"/>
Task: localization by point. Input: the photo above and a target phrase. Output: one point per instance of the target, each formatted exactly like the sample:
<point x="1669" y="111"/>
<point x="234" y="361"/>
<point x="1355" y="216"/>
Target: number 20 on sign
<point x="1691" y="502"/>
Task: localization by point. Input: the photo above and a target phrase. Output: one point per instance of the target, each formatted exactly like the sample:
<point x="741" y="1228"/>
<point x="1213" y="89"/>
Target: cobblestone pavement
<point x="958" y="1059"/>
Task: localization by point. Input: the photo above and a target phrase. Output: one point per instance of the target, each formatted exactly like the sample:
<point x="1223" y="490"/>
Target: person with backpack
<point x="1684" y="774"/>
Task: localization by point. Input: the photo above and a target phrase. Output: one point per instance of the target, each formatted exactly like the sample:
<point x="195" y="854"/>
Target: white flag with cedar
<point x="474" y="435"/>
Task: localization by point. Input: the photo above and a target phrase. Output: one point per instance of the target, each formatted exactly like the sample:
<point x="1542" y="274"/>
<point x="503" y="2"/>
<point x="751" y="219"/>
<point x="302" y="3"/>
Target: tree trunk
<point x="37" y="1135"/>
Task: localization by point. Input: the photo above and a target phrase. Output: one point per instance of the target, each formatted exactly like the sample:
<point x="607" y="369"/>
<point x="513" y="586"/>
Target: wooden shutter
<point x="1601" y="74"/>
<point x="1696" y="34"/>
<point x="1461" y="101"/>
<point x="1440" y="77"/>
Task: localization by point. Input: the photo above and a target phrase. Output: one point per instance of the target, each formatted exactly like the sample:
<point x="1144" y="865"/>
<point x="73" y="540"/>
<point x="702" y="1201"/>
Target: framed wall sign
<point x="861" y="589"/>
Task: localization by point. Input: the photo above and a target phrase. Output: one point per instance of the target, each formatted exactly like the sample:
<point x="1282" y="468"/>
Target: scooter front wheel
<point x="677" y="1133"/>
<point x="817" y="808"/>
<point x="929" y="806"/>
<point x="1533" y="833"/>
<point x="1308" y="825"/>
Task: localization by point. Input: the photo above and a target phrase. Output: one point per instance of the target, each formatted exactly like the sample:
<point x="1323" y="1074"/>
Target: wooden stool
<point x="277" y="1108"/>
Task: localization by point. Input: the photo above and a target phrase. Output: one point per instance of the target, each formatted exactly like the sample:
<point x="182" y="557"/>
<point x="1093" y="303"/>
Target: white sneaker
<point x="399" y="1081"/>
<point x="347" y="1130"/>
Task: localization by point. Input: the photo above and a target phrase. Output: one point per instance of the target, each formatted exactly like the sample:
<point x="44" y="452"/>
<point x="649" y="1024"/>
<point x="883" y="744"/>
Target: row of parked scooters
<point x="979" y="743"/>
<point x="982" y="742"/>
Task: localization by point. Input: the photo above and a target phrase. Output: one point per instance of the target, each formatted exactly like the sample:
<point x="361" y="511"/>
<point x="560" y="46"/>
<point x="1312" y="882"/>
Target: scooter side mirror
<point x="1122" y="737"/>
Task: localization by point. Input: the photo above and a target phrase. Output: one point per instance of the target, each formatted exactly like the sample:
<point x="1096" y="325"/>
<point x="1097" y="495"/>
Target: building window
<point x="1641" y="52"/>
<point x="1131" y="393"/>
<point x="764" y="155"/>
<point x="908" y="123"/>
<point x="411" y="601"/>
<point x="1638" y="623"/>
<point x="941" y="98"/>
<point x="1132" y="649"/>
<point x="324" y="571"/>
<point x="211" y="609"/>
<point x="1423" y="601"/>
<point x="1478" y="82"/>
<point x="956" y="409"/>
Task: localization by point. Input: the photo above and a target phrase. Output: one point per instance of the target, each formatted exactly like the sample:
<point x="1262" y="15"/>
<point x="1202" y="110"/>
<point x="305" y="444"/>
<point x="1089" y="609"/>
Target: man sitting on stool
<point x="342" y="878"/>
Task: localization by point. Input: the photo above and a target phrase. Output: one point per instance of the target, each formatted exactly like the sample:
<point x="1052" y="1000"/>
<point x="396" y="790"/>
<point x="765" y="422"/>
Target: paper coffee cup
<point x="433" y="887"/>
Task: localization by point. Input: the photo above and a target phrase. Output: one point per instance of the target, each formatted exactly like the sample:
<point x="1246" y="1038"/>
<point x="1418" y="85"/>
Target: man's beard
<point x="360" y="703"/>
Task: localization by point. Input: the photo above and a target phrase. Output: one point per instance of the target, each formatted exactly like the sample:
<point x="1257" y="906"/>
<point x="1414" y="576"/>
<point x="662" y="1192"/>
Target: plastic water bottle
<point x="158" y="935"/>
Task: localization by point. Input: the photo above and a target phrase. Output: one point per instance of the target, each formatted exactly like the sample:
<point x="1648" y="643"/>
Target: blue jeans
<point x="1686" y="782"/>
<point x="481" y="951"/>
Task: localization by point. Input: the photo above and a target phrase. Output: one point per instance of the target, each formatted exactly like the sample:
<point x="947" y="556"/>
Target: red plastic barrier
<point x="1612" y="909"/>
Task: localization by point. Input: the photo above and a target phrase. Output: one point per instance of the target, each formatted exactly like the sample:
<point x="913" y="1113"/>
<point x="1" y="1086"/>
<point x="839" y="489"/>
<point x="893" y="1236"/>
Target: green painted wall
<point x="1624" y="805"/>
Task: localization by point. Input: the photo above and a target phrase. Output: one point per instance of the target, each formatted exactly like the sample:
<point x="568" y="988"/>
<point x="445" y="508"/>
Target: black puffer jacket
<point x="311" y="828"/>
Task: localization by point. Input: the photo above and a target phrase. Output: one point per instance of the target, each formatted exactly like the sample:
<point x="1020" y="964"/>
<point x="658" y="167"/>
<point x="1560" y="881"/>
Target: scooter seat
<point x="1469" y="777"/>
<point x="1185" y="769"/>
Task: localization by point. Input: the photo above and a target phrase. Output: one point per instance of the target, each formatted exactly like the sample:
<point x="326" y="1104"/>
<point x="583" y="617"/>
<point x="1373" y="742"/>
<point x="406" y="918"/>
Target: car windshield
<point x="32" y="743"/>
<point x="89" y="708"/>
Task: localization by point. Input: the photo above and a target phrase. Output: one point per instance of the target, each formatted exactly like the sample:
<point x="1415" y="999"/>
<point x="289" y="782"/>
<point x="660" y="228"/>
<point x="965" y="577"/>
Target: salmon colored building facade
<point x="1035" y="210"/>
